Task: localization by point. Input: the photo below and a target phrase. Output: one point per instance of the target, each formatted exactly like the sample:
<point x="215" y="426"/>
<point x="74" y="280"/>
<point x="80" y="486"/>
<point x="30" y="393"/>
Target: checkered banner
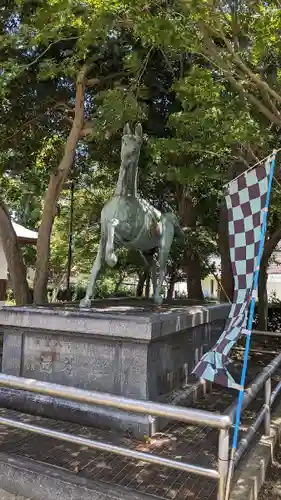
<point x="246" y="203"/>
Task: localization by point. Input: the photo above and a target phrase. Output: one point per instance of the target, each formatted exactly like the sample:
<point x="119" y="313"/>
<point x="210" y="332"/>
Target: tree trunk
<point x="55" y="186"/>
<point x="263" y="301"/>
<point x="194" y="285"/>
<point x="269" y="247"/>
<point x="191" y="264"/>
<point x="226" y="269"/>
<point x="118" y="283"/>
<point x="171" y="288"/>
<point x="147" y="286"/>
<point x="141" y="282"/>
<point x="14" y="258"/>
<point x="3" y="289"/>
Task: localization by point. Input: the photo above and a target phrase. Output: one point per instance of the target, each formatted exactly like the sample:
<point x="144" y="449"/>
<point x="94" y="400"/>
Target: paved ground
<point x="189" y="443"/>
<point x="5" y="495"/>
<point x="272" y="487"/>
<point x="179" y="441"/>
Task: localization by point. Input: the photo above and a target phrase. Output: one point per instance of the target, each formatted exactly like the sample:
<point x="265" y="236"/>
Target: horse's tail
<point x="179" y="233"/>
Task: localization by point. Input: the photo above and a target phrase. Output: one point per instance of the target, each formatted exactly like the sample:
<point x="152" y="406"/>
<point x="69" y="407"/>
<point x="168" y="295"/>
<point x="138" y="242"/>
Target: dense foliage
<point x="202" y="77"/>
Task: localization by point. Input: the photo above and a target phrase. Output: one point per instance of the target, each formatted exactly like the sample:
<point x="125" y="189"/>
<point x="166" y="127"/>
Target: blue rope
<point x="252" y="309"/>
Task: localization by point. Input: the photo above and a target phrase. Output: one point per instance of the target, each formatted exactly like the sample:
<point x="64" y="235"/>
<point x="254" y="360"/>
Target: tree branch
<point x="254" y="100"/>
<point x="249" y="150"/>
<point x="64" y="106"/>
<point x="212" y="52"/>
<point x="20" y="129"/>
<point x="261" y="84"/>
<point x="87" y="129"/>
<point x="93" y="82"/>
<point x="35" y="119"/>
<point x="46" y="50"/>
<point x="242" y="159"/>
<point x="264" y="110"/>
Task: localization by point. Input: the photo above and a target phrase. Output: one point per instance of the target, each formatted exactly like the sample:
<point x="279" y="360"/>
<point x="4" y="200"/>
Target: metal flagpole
<point x="249" y="329"/>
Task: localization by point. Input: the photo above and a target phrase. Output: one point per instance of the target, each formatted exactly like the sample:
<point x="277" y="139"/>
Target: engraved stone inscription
<point x="12" y="353"/>
<point x="30" y="363"/>
<point x="67" y="367"/>
<point x="132" y="374"/>
<point x="54" y="343"/>
<point x="71" y="361"/>
<point x="46" y="362"/>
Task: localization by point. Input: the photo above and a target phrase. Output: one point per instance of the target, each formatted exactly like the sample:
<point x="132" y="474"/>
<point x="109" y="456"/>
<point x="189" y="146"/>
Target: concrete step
<point x="38" y="481"/>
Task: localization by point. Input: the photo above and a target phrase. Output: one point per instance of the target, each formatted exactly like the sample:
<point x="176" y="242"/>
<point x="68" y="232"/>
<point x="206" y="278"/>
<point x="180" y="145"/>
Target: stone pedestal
<point x="121" y="347"/>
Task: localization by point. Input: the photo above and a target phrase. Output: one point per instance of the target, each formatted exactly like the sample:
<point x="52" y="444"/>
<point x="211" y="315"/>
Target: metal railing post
<point x="223" y="458"/>
<point x="267" y="398"/>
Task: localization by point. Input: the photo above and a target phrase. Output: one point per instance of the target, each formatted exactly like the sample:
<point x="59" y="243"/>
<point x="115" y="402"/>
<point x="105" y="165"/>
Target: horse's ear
<point x="127" y="130"/>
<point x="138" y="131"/>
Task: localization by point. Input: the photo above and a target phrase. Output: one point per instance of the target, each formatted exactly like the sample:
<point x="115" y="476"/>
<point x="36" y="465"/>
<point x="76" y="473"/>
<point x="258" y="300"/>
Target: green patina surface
<point x="130" y="221"/>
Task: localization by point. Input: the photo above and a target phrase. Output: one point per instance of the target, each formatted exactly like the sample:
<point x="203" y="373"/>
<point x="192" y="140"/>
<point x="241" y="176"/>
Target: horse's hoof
<point x="111" y="259"/>
<point x="85" y="303"/>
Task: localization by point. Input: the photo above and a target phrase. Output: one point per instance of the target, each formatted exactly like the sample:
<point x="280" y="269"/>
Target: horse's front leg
<point x="166" y="240"/>
<point x="86" y="302"/>
<point x="110" y="255"/>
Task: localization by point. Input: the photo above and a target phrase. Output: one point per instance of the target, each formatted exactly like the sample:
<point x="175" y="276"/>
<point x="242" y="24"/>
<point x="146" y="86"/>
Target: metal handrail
<point x="251" y="433"/>
<point x="188" y="415"/>
<point x="263" y="380"/>
<point x="275" y="393"/>
<point x="255" y="387"/>
<point x="110" y="448"/>
<point x="222" y="422"/>
<point x="266" y="334"/>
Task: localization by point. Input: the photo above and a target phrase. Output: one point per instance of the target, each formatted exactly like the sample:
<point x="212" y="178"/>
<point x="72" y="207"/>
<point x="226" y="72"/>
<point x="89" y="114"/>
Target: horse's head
<point x="131" y="143"/>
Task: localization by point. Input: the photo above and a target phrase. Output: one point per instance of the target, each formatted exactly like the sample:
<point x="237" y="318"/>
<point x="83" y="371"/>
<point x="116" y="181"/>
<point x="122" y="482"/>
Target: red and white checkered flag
<point x="246" y="202"/>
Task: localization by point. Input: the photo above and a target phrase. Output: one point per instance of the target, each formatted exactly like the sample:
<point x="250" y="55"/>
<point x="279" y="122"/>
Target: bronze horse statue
<point x="130" y="221"/>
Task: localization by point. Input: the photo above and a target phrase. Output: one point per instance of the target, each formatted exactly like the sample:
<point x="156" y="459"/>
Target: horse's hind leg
<point x="154" y="274"/>
<point x="86" y="302"/>
<point x="151" y="265"/>
<point x="165" y="244"/>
